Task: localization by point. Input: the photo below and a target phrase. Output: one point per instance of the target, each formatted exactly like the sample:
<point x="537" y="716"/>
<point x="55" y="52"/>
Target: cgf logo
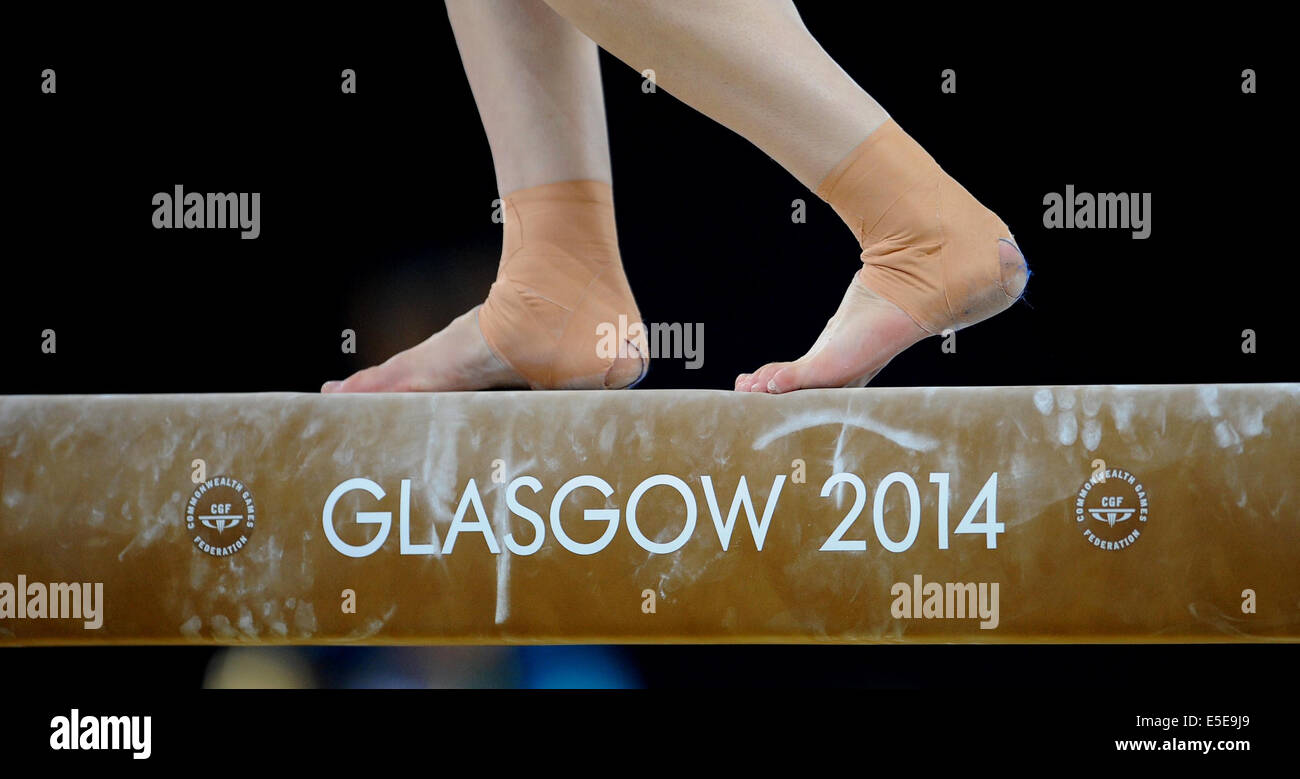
<point x="1111" y="512"/>
<point x="221" y="516"/>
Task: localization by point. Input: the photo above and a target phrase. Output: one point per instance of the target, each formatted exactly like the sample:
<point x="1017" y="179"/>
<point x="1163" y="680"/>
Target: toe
<point x="361" y="381"/>
<point x="788" y="379"/>
<point x="390" y="376"/>
<point x="764" y="375"/>
<point x="750" y="382"/>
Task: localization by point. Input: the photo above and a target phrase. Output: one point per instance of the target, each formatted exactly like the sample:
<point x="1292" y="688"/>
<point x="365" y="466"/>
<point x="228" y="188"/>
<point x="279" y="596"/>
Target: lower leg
<point x="933" y="257"/>
<point x="749" y="65"/>
<point x="536" y="81"/>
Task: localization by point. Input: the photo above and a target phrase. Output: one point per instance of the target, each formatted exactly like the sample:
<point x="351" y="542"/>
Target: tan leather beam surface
<point x="886" y="515"/>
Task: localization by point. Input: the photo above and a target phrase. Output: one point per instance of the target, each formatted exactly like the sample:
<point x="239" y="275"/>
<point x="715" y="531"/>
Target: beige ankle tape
<point x="560" y="279"/>
<point x="929" y="247"/>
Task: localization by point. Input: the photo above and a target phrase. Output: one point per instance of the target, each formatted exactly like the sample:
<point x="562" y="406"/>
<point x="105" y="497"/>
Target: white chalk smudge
<point x="799" y="422"/>
<point x="304" y="619"/>
<point x="246" y="624"/>
<point x="838" y="464"/>
<point x="1043" y="401"/>
<point x="607" y="434"/>
<point x="1123" y="409"/>
<point x="143" y="538"/>
<point x="1225" y="435"/>
<point x="1209" y="397"/>
<point x="1067" y="429"/>
<point x="222" y="629"/>
<point x="373" y="626"/>
<point x="1091" y="401"/>
<point x="1250" y="422"/>
<point x="1091" y="434"/>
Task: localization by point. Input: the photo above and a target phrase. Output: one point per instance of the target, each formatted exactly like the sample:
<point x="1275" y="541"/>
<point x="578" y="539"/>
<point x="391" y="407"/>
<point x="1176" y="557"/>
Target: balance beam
<point x="992" y="514"/>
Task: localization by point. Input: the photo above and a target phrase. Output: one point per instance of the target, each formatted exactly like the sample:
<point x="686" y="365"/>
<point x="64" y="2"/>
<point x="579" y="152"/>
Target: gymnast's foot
<point x="934" y="260"/>
<point x="457" y="358"/>
<point x="866" y="332"/>
<point x="559" y="316"/>
<point x="454" y="358"/>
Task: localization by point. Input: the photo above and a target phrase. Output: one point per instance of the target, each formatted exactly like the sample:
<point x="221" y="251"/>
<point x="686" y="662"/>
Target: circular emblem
<point x="1111" y="509"/>
<point x="220" y="516"/>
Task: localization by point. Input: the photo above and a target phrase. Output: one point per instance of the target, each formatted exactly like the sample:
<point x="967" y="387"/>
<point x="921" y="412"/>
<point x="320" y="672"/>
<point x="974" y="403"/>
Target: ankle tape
<point x="560" y="278"/>
<point x="929" y="247"/>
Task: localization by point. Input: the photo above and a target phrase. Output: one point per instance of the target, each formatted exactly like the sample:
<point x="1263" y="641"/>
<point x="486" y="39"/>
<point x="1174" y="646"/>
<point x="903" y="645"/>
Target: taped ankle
<point x="560" y="280"/>
<point x="929" y="247"/>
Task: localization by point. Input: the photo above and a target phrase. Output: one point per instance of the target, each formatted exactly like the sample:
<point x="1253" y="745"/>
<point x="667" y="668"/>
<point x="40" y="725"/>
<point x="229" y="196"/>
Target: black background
<point x="376" y="217"/>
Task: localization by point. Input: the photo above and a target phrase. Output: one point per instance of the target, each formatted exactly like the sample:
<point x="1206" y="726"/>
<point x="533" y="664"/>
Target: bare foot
<point x="457" y="358"/>
<point x="548" y="318"/>
<point x="454" y="358"/>
<point x="868" y="331"/>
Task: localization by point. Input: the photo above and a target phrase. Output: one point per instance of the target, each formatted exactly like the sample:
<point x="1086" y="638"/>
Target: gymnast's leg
<point x="933" y="257"/>
<point x="536" y="80"/>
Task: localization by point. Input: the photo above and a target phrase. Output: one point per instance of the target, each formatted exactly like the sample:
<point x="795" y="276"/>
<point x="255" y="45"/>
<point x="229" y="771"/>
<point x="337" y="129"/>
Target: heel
<point x="627" y="372"/>
<point x="1013" y="268"/>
